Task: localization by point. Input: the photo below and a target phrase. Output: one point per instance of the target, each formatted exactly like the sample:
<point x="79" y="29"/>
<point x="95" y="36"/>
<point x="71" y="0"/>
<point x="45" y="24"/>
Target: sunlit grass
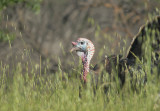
<point x="32" y="91"/>
<point x="57" y="92"/>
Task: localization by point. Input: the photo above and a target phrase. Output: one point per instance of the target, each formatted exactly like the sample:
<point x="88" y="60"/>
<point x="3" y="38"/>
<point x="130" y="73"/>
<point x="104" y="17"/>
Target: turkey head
<point x="85" y="50"/>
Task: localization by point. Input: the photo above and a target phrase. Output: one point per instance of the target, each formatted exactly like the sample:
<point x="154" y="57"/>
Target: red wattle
<point x="85" y="76"/>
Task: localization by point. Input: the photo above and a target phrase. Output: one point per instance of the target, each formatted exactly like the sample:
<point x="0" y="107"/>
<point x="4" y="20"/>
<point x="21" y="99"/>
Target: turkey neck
<point x="85" y="63"/>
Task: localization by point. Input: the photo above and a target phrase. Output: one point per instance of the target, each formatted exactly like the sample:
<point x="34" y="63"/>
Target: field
<point x="37" y="72"/>
<point x="29" y="91"/>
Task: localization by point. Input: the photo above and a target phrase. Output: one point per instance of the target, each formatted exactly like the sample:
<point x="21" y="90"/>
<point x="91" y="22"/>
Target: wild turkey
<point x="151" y="32"/>
<point x="85" y="49"/>
<point x="145" y="45"/>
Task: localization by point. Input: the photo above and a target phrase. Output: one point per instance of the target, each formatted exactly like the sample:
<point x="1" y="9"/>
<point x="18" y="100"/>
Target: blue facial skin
<point x="82" y="45"/>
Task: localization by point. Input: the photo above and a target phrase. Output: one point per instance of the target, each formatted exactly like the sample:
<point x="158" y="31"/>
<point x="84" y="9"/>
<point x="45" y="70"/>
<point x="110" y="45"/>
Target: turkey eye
<point x="82" y="43"/>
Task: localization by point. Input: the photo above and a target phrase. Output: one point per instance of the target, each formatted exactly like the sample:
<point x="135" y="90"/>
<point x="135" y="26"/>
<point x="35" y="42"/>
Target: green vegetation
<point x="6" y="37"/>
<point x="34" y="4"/>
<point x="26" y="91"/>
<point x="31" y="91"/>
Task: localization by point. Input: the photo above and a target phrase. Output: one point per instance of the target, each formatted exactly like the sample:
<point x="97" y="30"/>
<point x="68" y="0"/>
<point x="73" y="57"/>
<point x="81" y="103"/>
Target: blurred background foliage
<point x="34" y="4"/>
<point x="47" y="27"/>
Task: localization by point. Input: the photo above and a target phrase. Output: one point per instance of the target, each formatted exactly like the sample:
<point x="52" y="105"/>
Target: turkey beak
<point x="74" y="43"/>
<point x="74" y="47"/>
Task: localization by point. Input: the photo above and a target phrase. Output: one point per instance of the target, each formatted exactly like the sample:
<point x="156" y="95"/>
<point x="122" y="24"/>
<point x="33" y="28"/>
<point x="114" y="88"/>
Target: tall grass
<point x="58" y="92"/>
<point x="29" y="91"/>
